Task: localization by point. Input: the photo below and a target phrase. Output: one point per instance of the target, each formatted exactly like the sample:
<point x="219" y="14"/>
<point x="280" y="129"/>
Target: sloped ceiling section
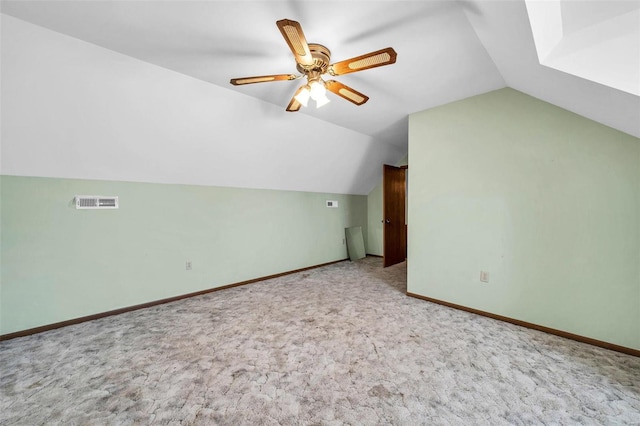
<point x="72" y="109"/>
<point x="139" y="90"/>
<point x="203" y="130"/>
<point x="440" y="58"/>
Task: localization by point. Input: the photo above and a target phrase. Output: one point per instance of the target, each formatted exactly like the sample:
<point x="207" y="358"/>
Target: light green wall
<point x="59" y="263"/>
<point x="374" y="209"/>
<point x="546" y="201"/>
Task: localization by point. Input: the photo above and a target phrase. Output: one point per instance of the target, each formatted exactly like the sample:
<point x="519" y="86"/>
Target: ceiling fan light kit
<point x="314" y="61"/>
<point x="315" y="90"/>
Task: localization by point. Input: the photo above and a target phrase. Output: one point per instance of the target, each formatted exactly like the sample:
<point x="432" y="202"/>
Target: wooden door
<point x="393" y="215"/>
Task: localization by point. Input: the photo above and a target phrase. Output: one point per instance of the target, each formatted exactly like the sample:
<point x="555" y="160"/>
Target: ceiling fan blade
<point x="262" y="79"/>
<point x="294" y="105"/>
<point x="293" y="35"/>
<point x="378" y="58"/>
<point x="346" y="92"/>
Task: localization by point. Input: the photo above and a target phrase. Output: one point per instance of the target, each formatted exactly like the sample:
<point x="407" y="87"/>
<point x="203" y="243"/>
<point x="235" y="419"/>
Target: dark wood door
<point x="393" y="218"/>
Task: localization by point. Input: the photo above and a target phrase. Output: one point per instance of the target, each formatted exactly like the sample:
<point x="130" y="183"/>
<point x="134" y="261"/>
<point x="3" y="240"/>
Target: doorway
<point x="394" y="227"/>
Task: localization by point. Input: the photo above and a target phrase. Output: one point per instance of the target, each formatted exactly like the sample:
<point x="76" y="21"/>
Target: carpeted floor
<point x="337" y="345"/>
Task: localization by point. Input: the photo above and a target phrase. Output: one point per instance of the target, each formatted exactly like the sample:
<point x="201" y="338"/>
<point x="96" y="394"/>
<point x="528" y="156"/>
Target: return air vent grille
<point x="96" y="202"/>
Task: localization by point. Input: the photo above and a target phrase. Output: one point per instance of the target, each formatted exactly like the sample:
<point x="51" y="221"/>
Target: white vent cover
<point x="332" y="204"/>
<point x="96" y="202"/>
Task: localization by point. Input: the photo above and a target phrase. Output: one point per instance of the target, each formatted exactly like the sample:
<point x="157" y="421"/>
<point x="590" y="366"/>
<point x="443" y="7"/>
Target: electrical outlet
<point x="484" y="276"/>
<point x="188" y="265"/>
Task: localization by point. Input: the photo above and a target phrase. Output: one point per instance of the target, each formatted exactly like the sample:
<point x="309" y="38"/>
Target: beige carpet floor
<point x="336" y="345"/>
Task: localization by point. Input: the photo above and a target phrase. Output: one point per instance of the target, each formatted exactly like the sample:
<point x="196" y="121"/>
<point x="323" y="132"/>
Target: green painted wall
<point x="59" y="263"/>
<point x="374" y="214"/>
<point x="546" y="201"/>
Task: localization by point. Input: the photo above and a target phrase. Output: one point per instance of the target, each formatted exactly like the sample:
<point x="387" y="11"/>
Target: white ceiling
<point x="440" y="58"/>
<point x="447" y="50"/>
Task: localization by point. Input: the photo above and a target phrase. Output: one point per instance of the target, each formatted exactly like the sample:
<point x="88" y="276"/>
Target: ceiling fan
<point x="313" y="61"/>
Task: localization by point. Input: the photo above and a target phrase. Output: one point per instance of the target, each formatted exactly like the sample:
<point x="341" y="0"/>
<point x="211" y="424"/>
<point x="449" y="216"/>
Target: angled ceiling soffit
<point x="595" y="40"/>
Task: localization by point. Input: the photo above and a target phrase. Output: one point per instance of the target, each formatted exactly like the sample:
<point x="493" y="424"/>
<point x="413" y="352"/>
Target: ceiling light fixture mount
<point x="313" y="61"/>
<point x="321" y="58"/>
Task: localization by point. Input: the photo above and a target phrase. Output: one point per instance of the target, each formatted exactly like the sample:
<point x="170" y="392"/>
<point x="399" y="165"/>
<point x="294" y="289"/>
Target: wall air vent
<point x="96" y="202"/>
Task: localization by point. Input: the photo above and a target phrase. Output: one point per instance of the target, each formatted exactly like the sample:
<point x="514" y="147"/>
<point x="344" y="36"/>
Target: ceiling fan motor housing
<point x="321" y="58"/>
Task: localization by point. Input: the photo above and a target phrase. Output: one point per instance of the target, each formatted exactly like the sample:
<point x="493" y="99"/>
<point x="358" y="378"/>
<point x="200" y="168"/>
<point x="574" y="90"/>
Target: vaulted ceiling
<point x="447" y="50"/>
